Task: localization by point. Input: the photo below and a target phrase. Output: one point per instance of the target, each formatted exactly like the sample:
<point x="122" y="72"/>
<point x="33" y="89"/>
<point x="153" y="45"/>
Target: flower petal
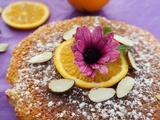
<point x="95" y="66"/>
<point x="84" y="35"/>
<point x="79" y="62"/>
<point x="103" y="59"/>
<point x="78" y="34"/>
<point x="102" y="68"/>
<point x="92" y="74"/>
<point x="78" y="55"/>
<point x="83" y="68"/>
<point x="100" y="45"/>
<point x="104" y="41"/>
<point x="87" y="36"/>
<point x="96" y="35"/>
<point x="110" y="46"/>
<point x="74" y="48"/>
<point x="81" y="46"/>
<point x="113" y="55"/>
<point x="87" y="70"/>
<point x="105" y="52"/>
<point x="108" y="37"/>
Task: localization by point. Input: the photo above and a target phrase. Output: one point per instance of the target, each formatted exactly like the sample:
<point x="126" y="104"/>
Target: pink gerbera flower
<point x="93" y="50"/>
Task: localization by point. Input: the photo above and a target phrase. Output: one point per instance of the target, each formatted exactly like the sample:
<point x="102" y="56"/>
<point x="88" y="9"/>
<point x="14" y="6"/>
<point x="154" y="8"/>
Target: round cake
<point x="33" y="101"/>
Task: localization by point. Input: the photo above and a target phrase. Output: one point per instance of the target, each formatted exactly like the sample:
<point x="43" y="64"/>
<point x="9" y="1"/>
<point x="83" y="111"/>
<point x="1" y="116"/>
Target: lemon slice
<point x="25" y="15"/>
<point x="64" y="57"/>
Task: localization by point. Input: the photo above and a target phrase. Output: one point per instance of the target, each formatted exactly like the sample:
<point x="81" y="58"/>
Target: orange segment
<point x="25" y="15"/>
<point x="64" y="57"/>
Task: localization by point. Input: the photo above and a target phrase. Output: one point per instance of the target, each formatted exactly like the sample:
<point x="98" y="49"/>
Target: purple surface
<point x="144" y="14"/>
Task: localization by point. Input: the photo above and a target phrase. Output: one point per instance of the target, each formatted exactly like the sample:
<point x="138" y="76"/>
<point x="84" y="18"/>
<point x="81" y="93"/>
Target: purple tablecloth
<point x="142" y="13"/>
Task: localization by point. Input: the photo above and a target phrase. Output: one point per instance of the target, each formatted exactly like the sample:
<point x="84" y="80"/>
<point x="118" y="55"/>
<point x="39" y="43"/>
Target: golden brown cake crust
<point x="32" y="100"/>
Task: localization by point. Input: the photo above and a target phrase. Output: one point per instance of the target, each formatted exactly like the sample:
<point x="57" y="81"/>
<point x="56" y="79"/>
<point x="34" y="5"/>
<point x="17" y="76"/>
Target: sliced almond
<point x="124" y="40"/>
<point x="0" y="10"/>
<point x="41" y="58"/>
<point x="3" y="47"/>
<point x="132" y="61"/>
<point x="69" y="34"/>
<point x="101" y="94"/>
<point x="124" y="86"/>
<point x="61" y="85"/>
<point x="158" y="96"/>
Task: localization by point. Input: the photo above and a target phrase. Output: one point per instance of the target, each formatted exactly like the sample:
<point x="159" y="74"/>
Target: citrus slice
<point x="64" y="62"/>
<point x="25" y="15"/>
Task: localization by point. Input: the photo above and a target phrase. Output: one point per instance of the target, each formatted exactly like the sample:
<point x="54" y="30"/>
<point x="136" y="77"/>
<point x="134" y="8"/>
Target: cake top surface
<point x="30" y="80"/>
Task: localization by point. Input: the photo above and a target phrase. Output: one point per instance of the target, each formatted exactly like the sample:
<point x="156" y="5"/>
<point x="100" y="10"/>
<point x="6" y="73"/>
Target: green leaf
<point x="123" y="47"/>
<point x="106" y="30"/>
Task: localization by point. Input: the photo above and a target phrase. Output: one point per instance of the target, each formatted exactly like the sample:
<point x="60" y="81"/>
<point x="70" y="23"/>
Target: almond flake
<point x="0" y="10"/>
<point x="69" y="34"/>
<point x="124" y="86"/>
<point x="3" y="47"/>
<point x="132" y="61"/>
<point x="101" y="94"/>
<point x="41" y="58"/>
<point x="124" y="40"/>
<point x="60" y="85"/>
<point x="158" y="96"/>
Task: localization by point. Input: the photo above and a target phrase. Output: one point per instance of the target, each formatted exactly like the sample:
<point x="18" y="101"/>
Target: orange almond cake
<point x="32" y="100"/>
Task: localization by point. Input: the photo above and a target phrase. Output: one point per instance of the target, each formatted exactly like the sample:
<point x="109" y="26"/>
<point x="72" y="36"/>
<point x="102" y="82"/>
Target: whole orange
<point x="88" y="5"/>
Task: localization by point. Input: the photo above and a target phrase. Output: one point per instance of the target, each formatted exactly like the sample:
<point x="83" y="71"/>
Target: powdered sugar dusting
<point x="30" y="88"/>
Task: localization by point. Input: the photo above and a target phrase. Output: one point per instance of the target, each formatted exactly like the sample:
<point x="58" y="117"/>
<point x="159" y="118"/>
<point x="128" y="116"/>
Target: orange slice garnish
<point x="64" y="62"/>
